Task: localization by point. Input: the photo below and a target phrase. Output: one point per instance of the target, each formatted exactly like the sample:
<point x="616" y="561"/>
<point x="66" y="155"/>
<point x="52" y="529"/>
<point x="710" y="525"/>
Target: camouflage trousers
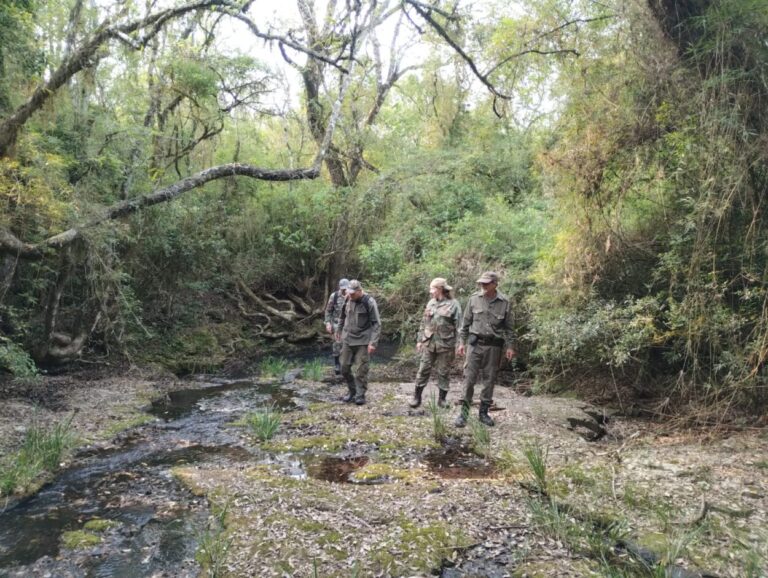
<point x="336" y="346"/>
<point x="482" y="360"/>
<point x="355" y="355"/>
<point x="441" y="361"/>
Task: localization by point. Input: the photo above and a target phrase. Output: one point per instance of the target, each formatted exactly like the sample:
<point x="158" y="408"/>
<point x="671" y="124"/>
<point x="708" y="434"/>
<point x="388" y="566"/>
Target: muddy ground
<point x="383" y="497"/>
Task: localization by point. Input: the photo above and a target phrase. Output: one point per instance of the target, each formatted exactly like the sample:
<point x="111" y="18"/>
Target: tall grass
<point x="439" y="419"/>
<point x="481" y="437"/>
<point x="536" y="454"/>
<point x="42" y="450"/>
<point x="273" y="367"/>
<point x="264" y="422"/>
<point x="313" y="370"/>
<point x="214" y="544"/>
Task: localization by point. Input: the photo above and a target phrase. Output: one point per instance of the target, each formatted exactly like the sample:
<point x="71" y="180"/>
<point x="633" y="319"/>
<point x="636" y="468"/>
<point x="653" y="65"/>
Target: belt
<point x="490" y="340"/>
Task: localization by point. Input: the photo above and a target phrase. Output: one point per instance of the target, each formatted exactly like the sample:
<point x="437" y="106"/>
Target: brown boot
<point x="416" y="399"/>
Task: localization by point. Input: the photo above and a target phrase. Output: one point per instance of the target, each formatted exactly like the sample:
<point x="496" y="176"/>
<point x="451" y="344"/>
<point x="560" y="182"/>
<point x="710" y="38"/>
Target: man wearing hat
<point x="360" y="327"/>
<point x="487" y="328"/>
<point x="332" y="317"/>
<point x="437" y="340"/>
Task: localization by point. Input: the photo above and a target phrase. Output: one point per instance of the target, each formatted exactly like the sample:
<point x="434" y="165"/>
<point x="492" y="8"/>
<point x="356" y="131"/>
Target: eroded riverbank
<point x="344" y="490"/>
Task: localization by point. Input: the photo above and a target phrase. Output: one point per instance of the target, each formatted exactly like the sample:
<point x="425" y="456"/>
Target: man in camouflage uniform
<point x="437" y="340"/>
<point x="332" y="316"/>
<point x="487" y="327"/>
<point x="360" y="328"/>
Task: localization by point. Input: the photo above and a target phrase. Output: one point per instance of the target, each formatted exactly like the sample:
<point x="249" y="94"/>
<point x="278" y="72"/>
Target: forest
<point x="172" y="196"/>
<point x="184" y="182"/>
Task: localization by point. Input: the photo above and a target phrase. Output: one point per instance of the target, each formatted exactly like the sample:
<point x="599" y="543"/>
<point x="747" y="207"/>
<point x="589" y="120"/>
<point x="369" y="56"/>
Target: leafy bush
<point x="17" y="361"/>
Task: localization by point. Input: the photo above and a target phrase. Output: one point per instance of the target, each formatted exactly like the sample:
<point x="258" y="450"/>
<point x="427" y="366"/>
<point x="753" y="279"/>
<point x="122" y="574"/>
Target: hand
<point x="329" y="328"/>
<point x="510" y="354"/>
<point x="419" y="346"/>
<point x="460" y="349"/>
<point x="371" y="348"/>
<point x="337" y="336"/>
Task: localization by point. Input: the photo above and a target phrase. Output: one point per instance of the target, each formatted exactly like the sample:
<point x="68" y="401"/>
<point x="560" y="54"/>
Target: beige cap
<point x="354" y="285"/>
<point x="440" y="282"/>
<point x="489" y="277"/>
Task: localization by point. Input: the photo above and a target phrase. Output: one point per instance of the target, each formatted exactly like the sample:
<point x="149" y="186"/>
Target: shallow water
<point x="157" y="522"/>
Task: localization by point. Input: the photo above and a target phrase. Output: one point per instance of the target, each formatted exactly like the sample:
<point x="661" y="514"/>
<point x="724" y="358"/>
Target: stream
<point x="155" y="524"/>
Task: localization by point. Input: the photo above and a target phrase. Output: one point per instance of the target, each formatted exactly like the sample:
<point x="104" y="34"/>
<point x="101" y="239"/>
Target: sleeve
<point x="422" y="326"/>
<point x="343" y="317"/>
<point x="508" y="328"/>
<point x="456" y="314"/>
<point x="329" y="307"/>
<point x="466" y="322"/>
<point x="375" y="323"/>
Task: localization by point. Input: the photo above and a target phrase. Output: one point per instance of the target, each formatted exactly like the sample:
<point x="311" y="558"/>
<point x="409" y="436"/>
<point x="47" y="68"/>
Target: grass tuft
<point x="273" y="367"/>
<point x="439" y="419"/>
<point x="313" y="370"/>
<point x="481" y="437"/>
<point x="536" y="454"/>
<point x="264" y="422"/>
<point x="42" y="450"/>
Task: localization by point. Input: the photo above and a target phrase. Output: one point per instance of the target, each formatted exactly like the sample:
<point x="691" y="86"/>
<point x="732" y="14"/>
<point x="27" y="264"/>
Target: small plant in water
<point x="313" y="370"/>
<point x="264" y="422"/>
<point x="439" y="419"/>
<point x="536" y="454"/>
<point x="273" y="367"/>
<point x="481" y="438"/>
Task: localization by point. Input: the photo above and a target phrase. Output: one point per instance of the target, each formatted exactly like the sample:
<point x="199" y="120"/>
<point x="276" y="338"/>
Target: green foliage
<point x="439" y="416"/>
<point x="481" y="437"/>
<point x="264" y="422"/>
<point x="605" y="334"/>
<point x="214" y="543"/>
<point x="536" y="455"/>
<point x="273" y="367"/>
<point x="42" y="451"/>
<point x="17" y="361"/>
<point x="313" y="370"/>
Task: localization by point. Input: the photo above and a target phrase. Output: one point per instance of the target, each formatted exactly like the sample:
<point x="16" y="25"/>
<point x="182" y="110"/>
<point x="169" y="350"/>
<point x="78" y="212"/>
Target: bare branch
<point x="9" y="244"/>
<point x="425" y="11"/>
<point x="284" y="41"/>
<point x="86" y="57"/>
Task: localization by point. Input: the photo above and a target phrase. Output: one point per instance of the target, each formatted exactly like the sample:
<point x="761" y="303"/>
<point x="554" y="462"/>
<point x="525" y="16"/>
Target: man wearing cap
<point x="360" y="327"/>
<point x="486" y="328"/>
<point x="437" y="340"/>
<point x="332" y="317"/>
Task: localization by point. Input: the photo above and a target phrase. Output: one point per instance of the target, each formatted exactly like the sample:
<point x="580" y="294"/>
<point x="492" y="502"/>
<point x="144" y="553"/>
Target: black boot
<point x="461" y="420"/>
<point x="350" y="397"/>
<point x="416" y="400"/>
<point x="336" y="365"/>
<point x="441" y="400"/>
<point x="484" y="417"/>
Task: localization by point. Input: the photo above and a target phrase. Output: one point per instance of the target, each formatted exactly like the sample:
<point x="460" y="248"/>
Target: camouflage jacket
<point x="439" y="324"/>
<point x="360" y="323"/>
<point x="333" y="307"/>
<point x="488" y="320"/>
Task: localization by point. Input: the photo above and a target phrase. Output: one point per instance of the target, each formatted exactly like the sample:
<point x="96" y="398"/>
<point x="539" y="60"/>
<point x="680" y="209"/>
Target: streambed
<point x="345" y="490"/>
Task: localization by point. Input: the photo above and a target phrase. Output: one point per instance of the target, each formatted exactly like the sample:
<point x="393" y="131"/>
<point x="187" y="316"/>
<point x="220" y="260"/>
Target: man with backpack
<point x="359" y="328"/>
<point x="332" y="317"/>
